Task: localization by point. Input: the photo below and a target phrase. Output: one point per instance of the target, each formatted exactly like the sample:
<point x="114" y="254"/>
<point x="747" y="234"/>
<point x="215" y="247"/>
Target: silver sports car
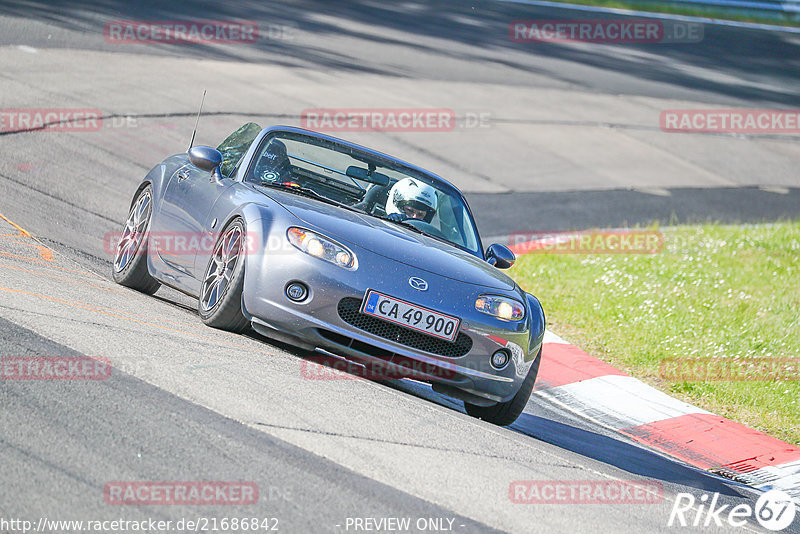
<point x="332" y="247"/>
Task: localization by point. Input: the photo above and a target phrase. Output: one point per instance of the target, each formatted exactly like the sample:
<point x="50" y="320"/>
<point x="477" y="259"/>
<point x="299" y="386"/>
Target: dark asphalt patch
<point x="505" y="214"/>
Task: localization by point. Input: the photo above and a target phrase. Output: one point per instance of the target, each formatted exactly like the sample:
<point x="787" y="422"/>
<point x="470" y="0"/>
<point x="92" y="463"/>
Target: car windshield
<point x="377" y="186"/>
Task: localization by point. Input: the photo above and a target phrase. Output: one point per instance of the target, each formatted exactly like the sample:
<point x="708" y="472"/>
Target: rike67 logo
<point x="774" y="510"/>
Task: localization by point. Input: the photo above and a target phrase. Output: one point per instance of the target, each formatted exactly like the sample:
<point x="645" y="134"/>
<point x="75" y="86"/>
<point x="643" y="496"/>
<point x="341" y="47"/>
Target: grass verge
<point x="728" y="293"/>
<point x="693" y="11"/>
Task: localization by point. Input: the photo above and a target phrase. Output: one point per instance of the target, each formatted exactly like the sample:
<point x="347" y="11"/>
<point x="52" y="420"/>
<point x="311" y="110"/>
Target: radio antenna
<point x="197" y="121"/>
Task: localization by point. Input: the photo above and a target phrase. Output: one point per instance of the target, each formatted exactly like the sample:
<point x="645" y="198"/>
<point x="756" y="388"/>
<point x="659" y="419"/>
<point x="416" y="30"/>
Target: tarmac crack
<point x="403" y="444"/>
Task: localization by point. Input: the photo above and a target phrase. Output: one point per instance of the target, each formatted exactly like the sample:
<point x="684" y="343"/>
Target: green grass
<point x="724" y="292"/>
<point x="694" y="11"/>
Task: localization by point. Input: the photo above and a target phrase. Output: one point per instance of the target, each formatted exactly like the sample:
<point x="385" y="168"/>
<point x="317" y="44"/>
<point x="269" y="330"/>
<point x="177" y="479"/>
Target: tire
<point x="130" y="257"/>
<point x="220" y="302"/>
<point x="505" y="413"/>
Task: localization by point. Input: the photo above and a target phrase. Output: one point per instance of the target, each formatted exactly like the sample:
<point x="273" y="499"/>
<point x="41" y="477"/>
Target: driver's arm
<point x="376" y="196"/>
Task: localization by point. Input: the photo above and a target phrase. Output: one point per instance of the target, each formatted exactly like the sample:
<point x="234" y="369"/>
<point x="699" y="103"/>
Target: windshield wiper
<point x="404" y="223"/>
<point x="304" y="191"/>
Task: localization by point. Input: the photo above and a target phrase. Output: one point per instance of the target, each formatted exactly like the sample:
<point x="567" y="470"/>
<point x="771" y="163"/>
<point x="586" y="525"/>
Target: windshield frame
<point x="382" y="160"/>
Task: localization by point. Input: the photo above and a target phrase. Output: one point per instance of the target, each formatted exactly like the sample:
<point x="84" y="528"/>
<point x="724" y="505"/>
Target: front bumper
<point x="316" y="323"/>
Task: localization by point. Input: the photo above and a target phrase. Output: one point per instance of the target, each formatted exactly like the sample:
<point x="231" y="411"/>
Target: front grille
<point x="349" y="310"/>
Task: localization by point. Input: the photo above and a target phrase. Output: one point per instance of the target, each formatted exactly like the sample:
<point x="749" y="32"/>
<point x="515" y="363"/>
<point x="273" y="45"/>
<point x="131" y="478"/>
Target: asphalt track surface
<point x="189" y="403"/>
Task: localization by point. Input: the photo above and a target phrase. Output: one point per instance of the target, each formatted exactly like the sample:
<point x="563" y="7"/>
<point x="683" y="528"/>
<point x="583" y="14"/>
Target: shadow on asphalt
<point x="464" y="31"/>
<point x="625" y="456"/>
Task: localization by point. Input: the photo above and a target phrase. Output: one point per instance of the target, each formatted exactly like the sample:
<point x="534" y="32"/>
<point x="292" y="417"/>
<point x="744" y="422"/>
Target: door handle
<point x="183" y="174"/>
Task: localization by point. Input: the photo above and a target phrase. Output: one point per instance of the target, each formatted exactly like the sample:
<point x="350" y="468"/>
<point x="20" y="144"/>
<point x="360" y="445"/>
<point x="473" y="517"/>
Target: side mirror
<point x="207" y="159"/>
<point x="500" y="256"/>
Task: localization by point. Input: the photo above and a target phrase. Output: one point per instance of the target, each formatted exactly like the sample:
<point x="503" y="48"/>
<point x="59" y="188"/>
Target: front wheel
<point x="220" y="304"/>
<point x="130" y="257"/>
<point x="505" y="413"/>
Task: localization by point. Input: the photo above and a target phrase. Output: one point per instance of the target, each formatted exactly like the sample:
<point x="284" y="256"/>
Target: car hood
<point x="393" y="241"/>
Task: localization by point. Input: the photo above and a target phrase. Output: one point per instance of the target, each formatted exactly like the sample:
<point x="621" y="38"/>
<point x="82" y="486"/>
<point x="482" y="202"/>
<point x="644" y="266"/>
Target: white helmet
<point x="414" y="193"/>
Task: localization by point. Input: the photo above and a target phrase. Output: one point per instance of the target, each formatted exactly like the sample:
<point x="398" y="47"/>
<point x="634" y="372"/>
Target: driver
<point x="274" y="166"/>
<point x="410" y="198"/>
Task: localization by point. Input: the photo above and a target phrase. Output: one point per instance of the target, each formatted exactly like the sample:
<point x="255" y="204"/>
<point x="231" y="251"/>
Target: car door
<point x="180" y="226"/>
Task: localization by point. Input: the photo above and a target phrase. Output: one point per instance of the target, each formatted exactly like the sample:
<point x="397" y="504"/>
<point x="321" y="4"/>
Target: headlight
<point x="321" y="247"/>
<point x="501" y="307"/>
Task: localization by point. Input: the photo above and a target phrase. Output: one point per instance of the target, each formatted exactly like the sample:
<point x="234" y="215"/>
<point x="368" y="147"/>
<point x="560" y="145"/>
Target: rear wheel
<point x="220" y="304"/>
<point x="505" y="413"/>
<point x="130" y="257"/>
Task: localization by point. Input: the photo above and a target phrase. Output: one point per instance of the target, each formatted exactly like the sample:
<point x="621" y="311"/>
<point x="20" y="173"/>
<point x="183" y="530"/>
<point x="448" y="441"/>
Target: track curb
<point x="600" y="392"/>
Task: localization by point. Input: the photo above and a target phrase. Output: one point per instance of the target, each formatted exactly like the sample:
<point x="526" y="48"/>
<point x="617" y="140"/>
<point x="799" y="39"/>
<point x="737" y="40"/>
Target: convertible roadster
<point x="332" y="247"/>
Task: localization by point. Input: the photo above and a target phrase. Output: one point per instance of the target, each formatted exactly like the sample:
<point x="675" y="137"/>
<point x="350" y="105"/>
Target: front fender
<point x="158" y="177"/>
<point x="260" y="221"/>
<point x="536" y="324"/>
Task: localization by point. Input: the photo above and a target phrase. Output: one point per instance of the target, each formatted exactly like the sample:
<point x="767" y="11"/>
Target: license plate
<point x="410" y="315"/>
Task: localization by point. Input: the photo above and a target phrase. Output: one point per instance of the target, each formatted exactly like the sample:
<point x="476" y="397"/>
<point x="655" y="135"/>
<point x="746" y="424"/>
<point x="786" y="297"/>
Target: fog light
<point x="500" y="359"/>
<point x="296" y="291"/>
